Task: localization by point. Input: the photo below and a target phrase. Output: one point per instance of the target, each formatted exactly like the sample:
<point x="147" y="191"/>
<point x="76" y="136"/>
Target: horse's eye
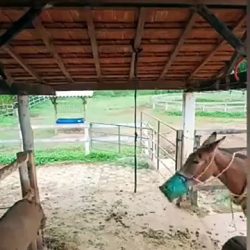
<point x="195" y="161"/>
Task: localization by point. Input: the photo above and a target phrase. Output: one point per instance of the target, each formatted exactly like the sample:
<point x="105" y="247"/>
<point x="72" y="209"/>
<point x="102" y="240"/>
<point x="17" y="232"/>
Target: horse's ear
<point x="214" y="145"/>
<point x="212" y="138"/>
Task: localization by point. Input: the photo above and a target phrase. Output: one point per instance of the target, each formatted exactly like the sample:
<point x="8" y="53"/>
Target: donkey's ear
<point x="212" y="138"/>
<point x="214" y="145"/>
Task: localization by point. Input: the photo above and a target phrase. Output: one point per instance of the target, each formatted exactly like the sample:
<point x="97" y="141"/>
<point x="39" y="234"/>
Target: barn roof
<point x="89" y="45"/>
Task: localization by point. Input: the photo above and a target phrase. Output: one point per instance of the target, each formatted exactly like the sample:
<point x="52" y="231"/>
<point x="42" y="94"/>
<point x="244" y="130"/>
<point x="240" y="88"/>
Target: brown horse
<point x="211" y="161"/>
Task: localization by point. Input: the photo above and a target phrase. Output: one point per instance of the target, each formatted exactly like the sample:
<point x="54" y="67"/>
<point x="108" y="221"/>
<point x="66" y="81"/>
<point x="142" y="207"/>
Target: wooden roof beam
<point x="25" y="89"/>
<point x="21" y="23"/>
<point x="179" y="45"/>
<point x="120" y="85"/>
<point x="216" y="48"/>
<point x="130" y="3"/>
<point x="21" y="62"/>
<point x="92" y="37"/>
<point x="222" y="29"/>
<point x="45" y="36"/>
<point x="137" y="40"/>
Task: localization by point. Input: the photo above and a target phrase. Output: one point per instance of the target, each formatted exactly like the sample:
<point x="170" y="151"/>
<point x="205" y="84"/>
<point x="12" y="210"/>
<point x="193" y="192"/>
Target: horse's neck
<point x="234" y="178"/>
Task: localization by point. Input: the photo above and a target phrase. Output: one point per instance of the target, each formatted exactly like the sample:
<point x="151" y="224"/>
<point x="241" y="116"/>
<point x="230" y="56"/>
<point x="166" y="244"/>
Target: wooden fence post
<point x="158" y="145"/>
<point x="141" y="124"/>
<point x="119" y="139"/>
<point x="91" y="136"/>
<point x="178" y="151"/>
<point x="87" y="140"/>
<point x="27" y="139"/>
<point x="28" y="172"/>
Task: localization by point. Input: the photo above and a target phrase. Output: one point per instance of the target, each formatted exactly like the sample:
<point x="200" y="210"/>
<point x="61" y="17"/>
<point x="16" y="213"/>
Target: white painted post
<point x="188" y="123"/>
<point x="87" y="140"/>
<point x="188" y="130"/>
<point x="248" y="121"/>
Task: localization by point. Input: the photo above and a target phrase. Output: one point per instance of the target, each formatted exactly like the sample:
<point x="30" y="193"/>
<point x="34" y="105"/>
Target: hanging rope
<point x="136" y="51"/>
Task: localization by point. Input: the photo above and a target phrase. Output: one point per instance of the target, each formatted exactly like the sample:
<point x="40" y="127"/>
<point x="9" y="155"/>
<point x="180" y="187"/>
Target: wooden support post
<point x="32" y="175"/>
<point x="248" y="120"/>
<point x="28" y="172"/>
<point x="27" y="138"/>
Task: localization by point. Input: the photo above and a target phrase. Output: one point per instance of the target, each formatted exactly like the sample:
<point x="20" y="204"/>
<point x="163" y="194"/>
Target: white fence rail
<point x="9" y="109"/>
<point x="90" y="135"/>
<point x="201" y="106"/>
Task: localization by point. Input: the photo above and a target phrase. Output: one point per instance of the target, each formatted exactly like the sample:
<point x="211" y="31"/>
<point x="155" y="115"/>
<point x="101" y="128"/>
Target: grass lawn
<point x="111" y="109"/>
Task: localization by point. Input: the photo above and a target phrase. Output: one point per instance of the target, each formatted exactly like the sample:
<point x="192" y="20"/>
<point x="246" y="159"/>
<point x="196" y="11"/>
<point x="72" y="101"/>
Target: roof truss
<point x="215" y="49"/>
<point x="179" y="44"/>
<point x="92" y="37"/>
<point x="137" y="40"/>
<point x="44" y="35"/>
<point x="222" y="29"/>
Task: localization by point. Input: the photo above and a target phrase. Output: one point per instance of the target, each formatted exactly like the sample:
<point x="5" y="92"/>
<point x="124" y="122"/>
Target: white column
<point x="87" y="140"/>
<point x="188" y="123"/>
<point x="248" y="122"/>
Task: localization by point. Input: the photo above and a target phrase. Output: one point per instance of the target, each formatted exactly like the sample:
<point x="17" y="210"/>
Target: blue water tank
<point x="70" y="121"/>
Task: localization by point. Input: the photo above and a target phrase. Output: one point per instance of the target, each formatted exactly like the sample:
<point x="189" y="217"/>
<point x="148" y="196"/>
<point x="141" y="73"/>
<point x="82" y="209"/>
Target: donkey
<point x="20" y="224"/>
<point x="211" y="161"/>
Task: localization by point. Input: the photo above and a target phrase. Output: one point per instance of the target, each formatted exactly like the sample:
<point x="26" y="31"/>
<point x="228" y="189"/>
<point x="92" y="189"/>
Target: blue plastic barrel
<point x="70" y="120"/>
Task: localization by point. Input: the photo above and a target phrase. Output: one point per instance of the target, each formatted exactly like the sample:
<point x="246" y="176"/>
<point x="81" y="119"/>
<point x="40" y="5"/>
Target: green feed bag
<point x="174" y="187"/>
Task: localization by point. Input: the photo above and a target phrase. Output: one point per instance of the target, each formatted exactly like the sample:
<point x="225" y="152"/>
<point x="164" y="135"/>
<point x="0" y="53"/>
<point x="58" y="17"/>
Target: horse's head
<point x="200" y="166"/>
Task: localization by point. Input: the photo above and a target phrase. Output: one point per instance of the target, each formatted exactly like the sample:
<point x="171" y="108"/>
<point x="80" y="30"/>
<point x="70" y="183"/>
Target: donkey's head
<point x="200" y="166"/>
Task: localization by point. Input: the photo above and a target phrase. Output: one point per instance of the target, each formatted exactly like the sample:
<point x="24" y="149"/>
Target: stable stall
<point x="120" y="45"/>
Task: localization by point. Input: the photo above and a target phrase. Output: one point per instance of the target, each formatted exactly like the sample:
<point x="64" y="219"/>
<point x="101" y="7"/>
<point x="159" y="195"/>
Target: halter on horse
<point x="206" y="162"/>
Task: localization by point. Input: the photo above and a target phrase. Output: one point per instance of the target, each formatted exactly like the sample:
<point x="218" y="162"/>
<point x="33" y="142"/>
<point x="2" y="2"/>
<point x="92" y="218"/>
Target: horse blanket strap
<point x="241" y="200"/>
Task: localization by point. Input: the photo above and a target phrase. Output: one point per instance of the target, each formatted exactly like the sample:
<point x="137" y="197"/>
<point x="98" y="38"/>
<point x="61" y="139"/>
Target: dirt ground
<point x="94" y="207"/>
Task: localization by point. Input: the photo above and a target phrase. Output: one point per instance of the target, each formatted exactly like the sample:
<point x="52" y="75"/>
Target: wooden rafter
<point x="45" y="36"/>
<point x="21" y="62"/>
<point x="92" y="37"/>
<point x="179" y="44"/>
<point x="137" y="40"/>
<point x="227" y="70"/>
<point x="235" y="58"/>
<point x="127" y="3"/>
<point x="222" y="29"/>
<point x="215" y="49"/>
<point x="20" y="24"/>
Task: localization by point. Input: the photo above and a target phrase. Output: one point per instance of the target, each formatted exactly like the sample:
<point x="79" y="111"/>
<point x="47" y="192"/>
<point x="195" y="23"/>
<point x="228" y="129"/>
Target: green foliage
<point x="76" y="155"/>
<point x="44" y="157"/>
<point x="8" y="121"/>
<point x="234" y="115"/>
<point x="7" y="99"/>
<point x="129" y="162"/>
<point x="117" y="93"/>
